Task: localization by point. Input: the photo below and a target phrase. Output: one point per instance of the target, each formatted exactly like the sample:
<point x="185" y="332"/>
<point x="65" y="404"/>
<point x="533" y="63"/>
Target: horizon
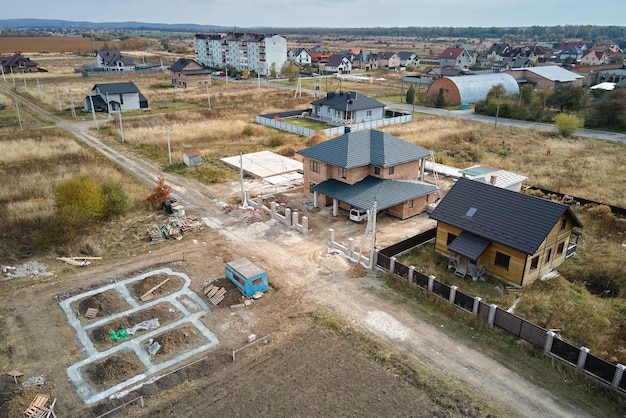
<point x="330" y="14"/>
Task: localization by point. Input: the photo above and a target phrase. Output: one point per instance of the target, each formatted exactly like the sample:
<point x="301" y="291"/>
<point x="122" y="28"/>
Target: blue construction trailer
<point x="247" y="276"/>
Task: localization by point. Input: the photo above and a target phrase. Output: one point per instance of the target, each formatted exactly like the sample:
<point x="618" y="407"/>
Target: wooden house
<point x="186" y="72"/>
<point x="355" y="169"/>
<point x="516" y="237"/>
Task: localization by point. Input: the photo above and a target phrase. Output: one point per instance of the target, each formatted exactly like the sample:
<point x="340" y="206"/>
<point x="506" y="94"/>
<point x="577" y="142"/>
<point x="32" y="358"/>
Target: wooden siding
<point x="519" y="271"/>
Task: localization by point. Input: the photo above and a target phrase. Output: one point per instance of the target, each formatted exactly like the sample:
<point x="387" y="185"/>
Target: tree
<point x="273" y="71"/>
<point x="440" y="100"/>
<point x="289" y="70"/>
<point x="567" y="97"/>
<point x="567" y="123"/>
<point x="160" y="193"/>
<point x="609" y="111"/>
<point x="410" y="94"/>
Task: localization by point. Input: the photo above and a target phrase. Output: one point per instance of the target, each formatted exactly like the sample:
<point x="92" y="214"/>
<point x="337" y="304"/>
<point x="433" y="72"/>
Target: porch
<point x="464" y="267"/>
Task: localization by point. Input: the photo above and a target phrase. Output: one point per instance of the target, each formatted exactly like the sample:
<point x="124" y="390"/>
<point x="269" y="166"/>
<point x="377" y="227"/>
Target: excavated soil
<point x="112" y="370"/>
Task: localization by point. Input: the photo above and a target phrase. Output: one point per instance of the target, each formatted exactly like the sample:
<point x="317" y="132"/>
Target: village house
<point x="113" y="97"/>
<point x="595" y="56"/>
<point x="365" y="60"/>
<point x="356" y="169"/>
<point x="299" y="56"/>
<point x="456" y="58"/>
<point x="17" y="63"/>
<point x="338" y="64"/>
<point x="186" y="72"/>
<point x="408" y="59"/>
<point x="347" y="108"/>
<point x="113" y="60"/>
<point x="389" y="60"/>
<point x="516" y="237"/>
<point x="319" y="54"/>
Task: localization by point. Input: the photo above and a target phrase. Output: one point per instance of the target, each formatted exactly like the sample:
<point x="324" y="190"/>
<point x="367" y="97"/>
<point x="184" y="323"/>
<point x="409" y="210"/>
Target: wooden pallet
<point x="37" y="408"/>
<point x="215" y="293"/>
<point x="91" y="313"/>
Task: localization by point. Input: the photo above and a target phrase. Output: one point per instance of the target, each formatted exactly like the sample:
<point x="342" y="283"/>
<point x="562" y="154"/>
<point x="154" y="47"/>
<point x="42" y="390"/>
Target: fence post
<point x="331" y="237"/>
<point x="273" y="206"/>
<point x="288" y="216"/>
<point x="411" y="272"/>
<point x="294" y="220"/>
<point x="305" y="225"/>
<point x="619" y="374"/>
<point x="374" y="259"/>
<point x="582" y="357"/>
<point x="492" y="314"/>
<point x="549" y="339"/>
<point x="350" y="247"/>
<point x="392" y="264"/>
<point x="452" y="294"/>
<point x="431" y="280"/>
<point x="476" y="306"/>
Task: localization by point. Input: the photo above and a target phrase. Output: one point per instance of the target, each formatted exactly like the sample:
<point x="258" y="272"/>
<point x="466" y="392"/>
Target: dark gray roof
<point x="117" y="88"/>
<point x="335" y="60"/>
<point x="510" y="218"/>
<point x="349" y="101"/>
<point x="362" y="194"/>
<point x="469" y="245"/>
<point x="361" y="148"/>
<point x="405" y="55"/>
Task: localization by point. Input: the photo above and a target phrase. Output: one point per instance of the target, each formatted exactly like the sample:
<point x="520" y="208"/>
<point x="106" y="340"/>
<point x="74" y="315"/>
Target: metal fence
<point x="579" y="357"/>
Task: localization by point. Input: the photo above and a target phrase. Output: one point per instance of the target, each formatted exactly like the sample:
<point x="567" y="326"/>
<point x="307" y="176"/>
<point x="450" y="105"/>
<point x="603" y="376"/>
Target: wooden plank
<point x="213" y="292"/>
<point x="85" y="258"/>
<point x="148" y="295"/>
<point x="70" y="261"/>
<point x="208" y="289"/>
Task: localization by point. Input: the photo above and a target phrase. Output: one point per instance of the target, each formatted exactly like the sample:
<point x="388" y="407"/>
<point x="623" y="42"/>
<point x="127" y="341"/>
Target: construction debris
<point x="147" y="325"/>
<point x="215" y="294"/>
<point x="174" y="227"/>
<point x="154" y="347"/>
<point x="149" y="295"/>
<point x="74" y="262"/>
<point x="34" y="381"/>
<point x="91" y="313"/>
<point x="28" y="269"/>
<point x="37" y="408"/>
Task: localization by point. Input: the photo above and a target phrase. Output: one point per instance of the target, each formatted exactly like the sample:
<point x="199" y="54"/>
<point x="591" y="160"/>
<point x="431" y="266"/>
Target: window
<point x="342" y="172"/>
<point x="548" y="255"/>
<point x="369" y="113"/>
<point x="377" y="171"/>
<point x="451" y="237"/>
<point x="534" y="263"/>
<point x="560" y="248"/>
<point x="426" y="198"/>
<point x="502" y="260"/>
<point x="315" y="166"/>
<point x="563" y="224"/>
<point x="391" y="170"/>
<point x="411" y="203"/>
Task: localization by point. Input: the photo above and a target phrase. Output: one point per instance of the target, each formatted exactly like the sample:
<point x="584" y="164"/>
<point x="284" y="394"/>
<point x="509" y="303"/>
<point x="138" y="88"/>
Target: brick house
<point x="357" y="168"/>
<point x="389" y="60"/>
<point x="456" y="58"/>
<point x="186" y="72"/>
<point x="546" y="77"/>
<point x="17" y="63"/>
<point x="595" y="57"/>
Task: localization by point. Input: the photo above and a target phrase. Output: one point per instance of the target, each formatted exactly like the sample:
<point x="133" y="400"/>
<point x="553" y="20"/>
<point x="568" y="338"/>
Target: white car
<point x="358" y="215"/>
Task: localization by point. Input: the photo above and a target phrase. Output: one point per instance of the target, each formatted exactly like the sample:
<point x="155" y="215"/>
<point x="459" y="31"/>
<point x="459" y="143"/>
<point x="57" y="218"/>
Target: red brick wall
<point x="450" y="91"/>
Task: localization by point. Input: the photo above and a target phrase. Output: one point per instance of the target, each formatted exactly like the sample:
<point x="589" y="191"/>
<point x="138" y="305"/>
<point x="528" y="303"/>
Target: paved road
<point x="350" y="298"/>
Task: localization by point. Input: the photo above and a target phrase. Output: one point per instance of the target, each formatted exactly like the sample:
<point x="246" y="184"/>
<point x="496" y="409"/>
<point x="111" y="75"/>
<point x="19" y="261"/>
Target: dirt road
<point x="300" y="264"/>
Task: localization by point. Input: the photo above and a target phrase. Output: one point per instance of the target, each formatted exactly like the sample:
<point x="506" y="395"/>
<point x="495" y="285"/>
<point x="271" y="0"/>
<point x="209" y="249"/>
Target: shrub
<point x="567" y="124"/>
<point x="80" y="198"/>
<point x="115" y="199"/>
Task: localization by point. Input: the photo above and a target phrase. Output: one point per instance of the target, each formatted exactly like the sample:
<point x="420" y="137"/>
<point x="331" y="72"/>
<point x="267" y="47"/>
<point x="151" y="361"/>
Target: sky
<point x="329" y="13"/>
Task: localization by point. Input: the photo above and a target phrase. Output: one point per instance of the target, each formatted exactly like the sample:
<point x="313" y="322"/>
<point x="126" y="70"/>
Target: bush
<point x="567" y="124"/>
<point x="115" y="199"/>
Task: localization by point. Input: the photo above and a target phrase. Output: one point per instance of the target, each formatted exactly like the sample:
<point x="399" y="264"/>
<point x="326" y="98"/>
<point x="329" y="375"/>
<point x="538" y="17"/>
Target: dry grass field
<point x="34" y="161"/>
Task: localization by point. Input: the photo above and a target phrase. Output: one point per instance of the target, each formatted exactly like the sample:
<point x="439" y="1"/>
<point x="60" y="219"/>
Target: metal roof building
<point x="471" y="88"/>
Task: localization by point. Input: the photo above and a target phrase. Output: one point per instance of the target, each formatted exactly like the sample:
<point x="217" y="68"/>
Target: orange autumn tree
<point x="160" y="192"/>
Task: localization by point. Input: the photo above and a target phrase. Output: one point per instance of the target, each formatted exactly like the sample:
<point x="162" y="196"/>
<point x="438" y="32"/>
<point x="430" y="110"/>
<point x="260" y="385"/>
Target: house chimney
<point x="493" y="180"/>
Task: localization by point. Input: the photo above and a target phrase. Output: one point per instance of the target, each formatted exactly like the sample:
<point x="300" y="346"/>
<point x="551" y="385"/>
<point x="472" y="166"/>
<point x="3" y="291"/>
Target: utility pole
<point x="4" y="77"/>
<point x="169" y="145"/>
<point x="58" y="99"/>
<point x="93" y="111"/>
<point x="208" y="96"/>
<point x="39" y="87"/>
<point x="72" y="103"/>
<point x="121" y="128"/>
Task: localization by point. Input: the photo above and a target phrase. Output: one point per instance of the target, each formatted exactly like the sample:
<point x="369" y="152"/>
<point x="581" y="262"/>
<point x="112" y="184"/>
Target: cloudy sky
<point x="329" y="13"/>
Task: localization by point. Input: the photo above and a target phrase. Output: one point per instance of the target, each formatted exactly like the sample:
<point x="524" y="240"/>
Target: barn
<point x="471" y="88"/>
<point x="247" y="276"/>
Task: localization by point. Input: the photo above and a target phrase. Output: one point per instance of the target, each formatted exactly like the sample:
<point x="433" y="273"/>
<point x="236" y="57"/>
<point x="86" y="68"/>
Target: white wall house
<point x="112" y="97"/>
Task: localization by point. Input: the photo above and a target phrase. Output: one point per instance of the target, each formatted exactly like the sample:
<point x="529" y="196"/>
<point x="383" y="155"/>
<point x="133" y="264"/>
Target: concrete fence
<point x="347" y="251"/>
<point x="290" y="218"/>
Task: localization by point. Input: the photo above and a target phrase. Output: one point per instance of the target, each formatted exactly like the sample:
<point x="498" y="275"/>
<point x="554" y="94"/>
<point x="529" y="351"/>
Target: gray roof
<point x="362" y="148"/>
<point x="510" y="218"/>
<point x="362" y="194"/>
<point x="469" y="245"/>
<point x="474" y="88"/>
<point x="349" y="101"/>
<point x="553" y="73"/>
<point x="117" y="88"/>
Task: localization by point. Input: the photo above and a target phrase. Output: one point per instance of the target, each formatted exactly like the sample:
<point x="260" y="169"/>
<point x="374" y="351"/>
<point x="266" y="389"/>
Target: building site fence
<point x="609" y="374"/>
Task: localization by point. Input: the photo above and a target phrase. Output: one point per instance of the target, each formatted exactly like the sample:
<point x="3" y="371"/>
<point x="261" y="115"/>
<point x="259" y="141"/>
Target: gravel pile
<point x="28" y="269"/>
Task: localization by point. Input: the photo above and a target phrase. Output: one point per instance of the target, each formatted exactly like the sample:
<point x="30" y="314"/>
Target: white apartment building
<point x="252" y="51"/>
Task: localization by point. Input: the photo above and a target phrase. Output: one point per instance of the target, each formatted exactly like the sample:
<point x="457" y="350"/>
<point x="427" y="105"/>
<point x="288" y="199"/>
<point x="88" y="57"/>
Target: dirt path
<point x="301" y="264"/>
